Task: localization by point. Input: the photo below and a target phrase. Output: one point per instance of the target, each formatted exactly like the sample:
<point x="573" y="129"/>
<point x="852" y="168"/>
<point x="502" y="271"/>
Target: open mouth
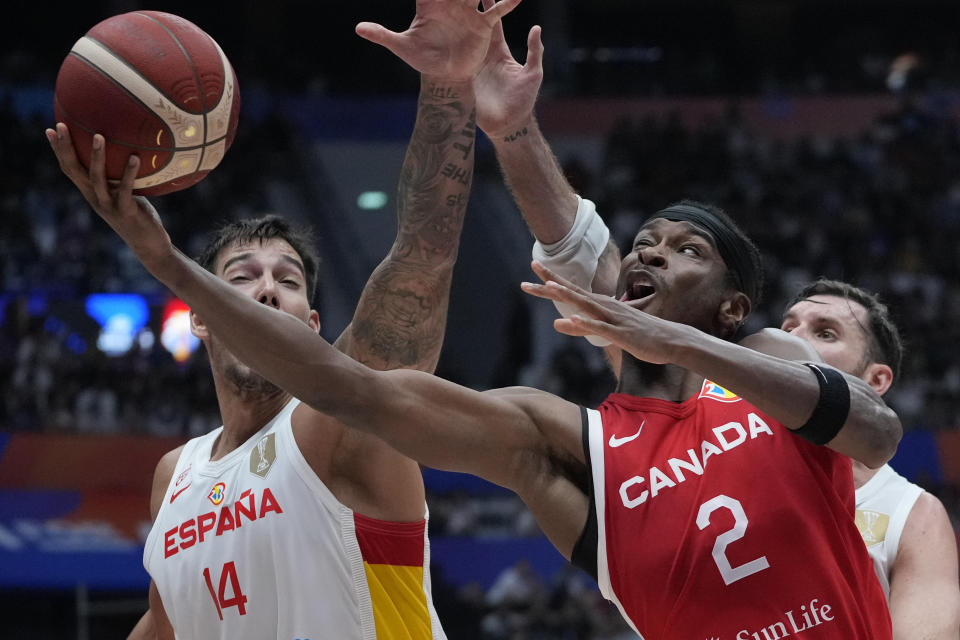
<point x="638" y="292"/>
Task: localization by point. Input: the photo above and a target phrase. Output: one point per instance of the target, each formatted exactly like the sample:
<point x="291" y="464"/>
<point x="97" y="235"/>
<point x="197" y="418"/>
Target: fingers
<point x="580" y="326"/>
<point x="499" y="9"/>
<point x="497" y="35"/>
<point x="396" y="43"/>
<point x="534" y="49"/>
<point x="62" y="145"/>
<point x="98" y="177"/>
<point x="547" y="275"/>
<point x="125" y="189"/>
<point x="377" y="34"/>
<point x="63" y="148"/>
<point x="559" y="293"/>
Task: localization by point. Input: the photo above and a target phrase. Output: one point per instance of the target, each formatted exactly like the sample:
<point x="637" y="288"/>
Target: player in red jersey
<point x="714" y="519"/>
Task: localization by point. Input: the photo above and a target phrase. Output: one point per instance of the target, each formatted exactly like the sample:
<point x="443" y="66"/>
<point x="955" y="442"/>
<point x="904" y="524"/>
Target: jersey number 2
<point x="220" y="599"/>
<point x="729" y="573"/>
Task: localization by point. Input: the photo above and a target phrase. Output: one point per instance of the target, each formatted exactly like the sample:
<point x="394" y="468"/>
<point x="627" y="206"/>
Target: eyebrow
<point x="829" y="321"/>
<point x="246" y="256"/>
<point x="692" y="229"/>
<point x="790" y="313"/>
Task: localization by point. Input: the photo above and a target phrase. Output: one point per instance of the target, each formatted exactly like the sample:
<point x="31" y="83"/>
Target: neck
<point x="663" y="381"/>
<point x="243" y="412"/>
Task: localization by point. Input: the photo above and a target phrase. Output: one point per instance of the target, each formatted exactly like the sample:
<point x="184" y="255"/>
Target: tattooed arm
<point x="400" y="319"/>
<point x="402" y="313"/>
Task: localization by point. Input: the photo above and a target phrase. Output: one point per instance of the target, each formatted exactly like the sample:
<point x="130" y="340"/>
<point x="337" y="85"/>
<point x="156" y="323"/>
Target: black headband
<point x="734" y="250"/>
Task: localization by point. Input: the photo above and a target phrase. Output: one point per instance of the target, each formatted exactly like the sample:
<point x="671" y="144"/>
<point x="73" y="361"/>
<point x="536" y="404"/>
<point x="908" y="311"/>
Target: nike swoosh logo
<point x="616" y="442"/>
<point x="178" y="492"/>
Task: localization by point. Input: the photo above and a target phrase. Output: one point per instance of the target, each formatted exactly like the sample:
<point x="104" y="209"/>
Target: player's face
<point x="835" y="328"/>
<point x="675" y="272"/>
<point x="272" y="273"/>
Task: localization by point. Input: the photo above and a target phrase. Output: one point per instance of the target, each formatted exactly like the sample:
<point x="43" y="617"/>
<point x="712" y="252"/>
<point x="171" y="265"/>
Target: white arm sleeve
<point x="576" y="255"/>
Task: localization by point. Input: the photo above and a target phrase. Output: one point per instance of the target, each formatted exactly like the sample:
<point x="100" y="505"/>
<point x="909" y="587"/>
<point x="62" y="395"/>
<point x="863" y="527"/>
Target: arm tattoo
<point x="401" y="317"/>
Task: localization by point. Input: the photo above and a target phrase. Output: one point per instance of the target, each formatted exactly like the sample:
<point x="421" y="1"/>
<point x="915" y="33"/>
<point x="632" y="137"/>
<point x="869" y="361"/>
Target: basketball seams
<point x="173" y="120"/>
<point x="82" y="51"/>
<point x="118" y="70"/>
<point x="196" y="79"/>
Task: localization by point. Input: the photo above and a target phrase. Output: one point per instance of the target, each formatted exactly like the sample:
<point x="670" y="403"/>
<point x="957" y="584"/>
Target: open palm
<point x="447" y="38"/>
<point x="507" y="90"/>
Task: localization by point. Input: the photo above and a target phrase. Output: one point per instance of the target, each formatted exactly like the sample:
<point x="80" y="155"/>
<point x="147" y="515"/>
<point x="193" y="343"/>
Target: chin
<point x="247" y="381"/>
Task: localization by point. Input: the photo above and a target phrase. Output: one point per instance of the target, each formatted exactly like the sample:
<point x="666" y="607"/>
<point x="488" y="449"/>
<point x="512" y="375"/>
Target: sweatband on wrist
<point x="832" y="409"/>
<point x="575" y="257"/>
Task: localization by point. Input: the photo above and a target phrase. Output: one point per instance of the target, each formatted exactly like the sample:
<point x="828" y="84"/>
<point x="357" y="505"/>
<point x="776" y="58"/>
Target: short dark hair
<point x="300" y="239"/>
<point x="745" y="273"/>
<point x="884" y="344"/>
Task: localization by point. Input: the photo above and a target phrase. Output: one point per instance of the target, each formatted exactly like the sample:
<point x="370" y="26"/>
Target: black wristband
<point x="832" y="409"/>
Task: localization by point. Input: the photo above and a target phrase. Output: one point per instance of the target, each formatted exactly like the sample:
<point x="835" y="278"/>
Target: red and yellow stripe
<point x="393" y="560"/>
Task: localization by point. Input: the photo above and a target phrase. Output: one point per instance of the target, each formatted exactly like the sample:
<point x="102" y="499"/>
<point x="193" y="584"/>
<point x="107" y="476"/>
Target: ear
<point x="878" y="376"/>
<point x="732" y="313"/>
<point x="197" y="327"/>
<point x="314" y="320"/>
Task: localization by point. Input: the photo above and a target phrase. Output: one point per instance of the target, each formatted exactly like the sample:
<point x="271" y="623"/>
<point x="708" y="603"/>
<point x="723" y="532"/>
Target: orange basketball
<point x="156" y="85"/>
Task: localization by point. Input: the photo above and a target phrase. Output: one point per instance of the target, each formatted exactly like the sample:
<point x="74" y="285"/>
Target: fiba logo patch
<point x="872" y="525"/>
<point x="263" y="455"/>
<point x="715" y="392"/>
<point x="216" y="494"/>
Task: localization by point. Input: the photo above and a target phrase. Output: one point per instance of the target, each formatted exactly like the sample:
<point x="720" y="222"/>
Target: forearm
<point x="788" y="391"/>
<point x="542" y="193"/>
<point x="401" y="316"/>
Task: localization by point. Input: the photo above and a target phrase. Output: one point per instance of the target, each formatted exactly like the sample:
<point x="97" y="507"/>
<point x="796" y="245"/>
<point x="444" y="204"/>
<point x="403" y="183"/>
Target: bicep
<point x="924" y="591"/>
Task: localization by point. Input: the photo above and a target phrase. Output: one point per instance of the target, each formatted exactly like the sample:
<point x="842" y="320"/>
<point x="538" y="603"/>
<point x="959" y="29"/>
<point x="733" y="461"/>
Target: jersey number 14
<point x="227" y="575"/>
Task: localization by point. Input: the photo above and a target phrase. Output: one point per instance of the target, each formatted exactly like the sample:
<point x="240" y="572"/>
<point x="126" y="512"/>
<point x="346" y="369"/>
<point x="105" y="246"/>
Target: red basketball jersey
<point x="717" y="523"/>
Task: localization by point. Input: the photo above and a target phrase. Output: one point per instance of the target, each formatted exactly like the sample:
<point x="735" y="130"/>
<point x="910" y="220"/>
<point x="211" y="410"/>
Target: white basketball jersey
<point x="254" y="546"/>
<point x="883" y="504"/>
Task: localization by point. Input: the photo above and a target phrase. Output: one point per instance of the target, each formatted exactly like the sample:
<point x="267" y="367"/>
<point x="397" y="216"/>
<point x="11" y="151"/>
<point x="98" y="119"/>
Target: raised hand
<point x="644" y="336"/>
<point x="132" y="217"/>
<point x="447" y="38"/>
<point x="507" y="90"/>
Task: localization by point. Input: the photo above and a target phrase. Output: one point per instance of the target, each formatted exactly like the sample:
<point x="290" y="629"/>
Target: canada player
<point x="283" y="523"/>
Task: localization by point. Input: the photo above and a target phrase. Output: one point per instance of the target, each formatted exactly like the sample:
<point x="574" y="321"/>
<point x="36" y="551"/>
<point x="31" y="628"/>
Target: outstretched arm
<point x="785" y="389"/>
<point x="401" y="315"/>
<point x="570" y="236"/>
<point x="506" y="94"/>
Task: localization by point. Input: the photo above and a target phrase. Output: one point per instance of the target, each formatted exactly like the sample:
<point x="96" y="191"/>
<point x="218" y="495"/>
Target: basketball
<point x="153" y="84"/>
